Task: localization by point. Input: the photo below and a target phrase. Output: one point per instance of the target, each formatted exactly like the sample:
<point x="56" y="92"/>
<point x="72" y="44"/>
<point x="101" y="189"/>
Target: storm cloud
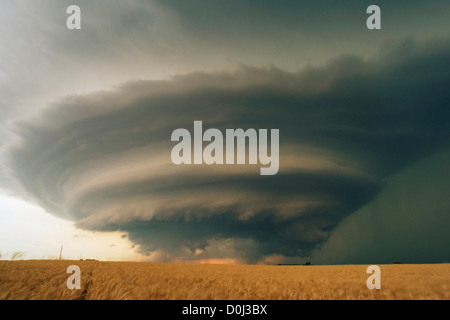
<point x="103" y="160"/>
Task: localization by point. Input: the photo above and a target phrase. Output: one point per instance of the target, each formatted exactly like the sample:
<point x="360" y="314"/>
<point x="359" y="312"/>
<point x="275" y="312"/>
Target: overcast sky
<point x="87" y="117"/>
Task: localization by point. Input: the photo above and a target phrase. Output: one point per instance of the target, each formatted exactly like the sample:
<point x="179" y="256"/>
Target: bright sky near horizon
<point x="32" y="233"/>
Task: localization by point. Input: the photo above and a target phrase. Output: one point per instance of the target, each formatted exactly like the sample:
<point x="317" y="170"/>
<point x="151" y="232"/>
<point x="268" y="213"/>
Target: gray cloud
<point x="103" y="160"/>
<point x="407" y="222"/>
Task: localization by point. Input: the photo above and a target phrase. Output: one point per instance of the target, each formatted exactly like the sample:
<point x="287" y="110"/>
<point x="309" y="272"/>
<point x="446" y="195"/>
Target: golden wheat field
<point x="46" y="279"/>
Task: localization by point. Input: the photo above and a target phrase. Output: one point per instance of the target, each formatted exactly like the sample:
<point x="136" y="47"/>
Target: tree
<point x="17" y="255"/>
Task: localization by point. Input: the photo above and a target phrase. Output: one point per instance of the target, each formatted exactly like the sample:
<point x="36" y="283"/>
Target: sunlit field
<point x="46" y="279"/>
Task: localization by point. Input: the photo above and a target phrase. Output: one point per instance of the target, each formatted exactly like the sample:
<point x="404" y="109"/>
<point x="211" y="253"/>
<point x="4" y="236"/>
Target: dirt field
<point x="42" y="279"/>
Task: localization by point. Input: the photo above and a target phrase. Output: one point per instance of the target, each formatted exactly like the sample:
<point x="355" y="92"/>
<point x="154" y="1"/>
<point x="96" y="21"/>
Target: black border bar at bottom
<point x="220" y="309"/>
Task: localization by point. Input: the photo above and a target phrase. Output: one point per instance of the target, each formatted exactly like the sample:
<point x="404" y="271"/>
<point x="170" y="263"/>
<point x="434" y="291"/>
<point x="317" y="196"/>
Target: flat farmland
<point x="101" y="280"/>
